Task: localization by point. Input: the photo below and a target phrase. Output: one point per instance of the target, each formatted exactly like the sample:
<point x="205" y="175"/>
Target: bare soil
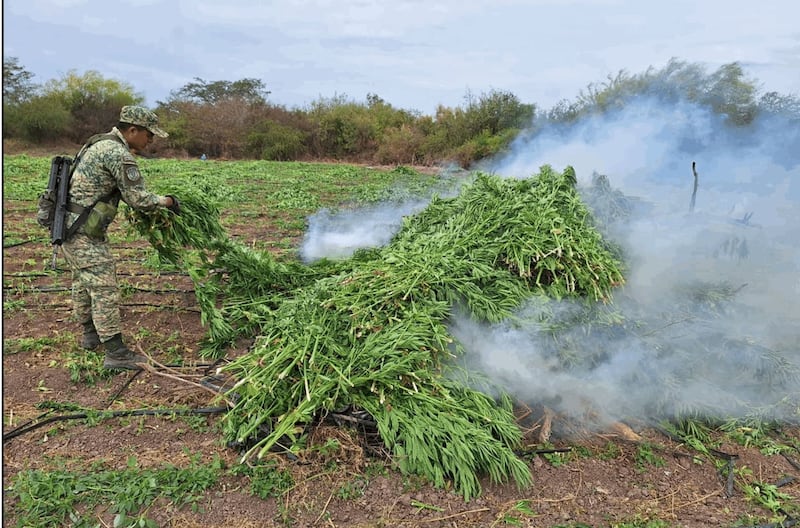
<point x="601" y="482"/>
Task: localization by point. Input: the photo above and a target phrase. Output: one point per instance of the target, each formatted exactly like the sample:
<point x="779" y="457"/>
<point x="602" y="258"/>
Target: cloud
<point x="415" y="54"/>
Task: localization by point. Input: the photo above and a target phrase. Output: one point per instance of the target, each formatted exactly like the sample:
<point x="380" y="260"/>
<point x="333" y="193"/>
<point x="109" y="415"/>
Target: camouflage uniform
<point x="104" y="167"/>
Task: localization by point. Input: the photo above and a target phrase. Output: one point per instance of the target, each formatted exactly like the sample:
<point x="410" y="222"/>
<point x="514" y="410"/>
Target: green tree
<point x="92" y="100"/>
<point x="385" y="116"/>
<point x="484" y="126"/>
<point x="727" y="91"/>
<point x="39" y="119"/>
<point x="251" y="91"/>
<point x="216" y="117"/>
<point x="400" y="145"/>
<point x="342" y="128"/>
<point x="495" y="112"/>
<point x="271" y="140"/>
<point x="732" y="94"/>
<point x="775" y="103"/>
<point x="18" y="85"/>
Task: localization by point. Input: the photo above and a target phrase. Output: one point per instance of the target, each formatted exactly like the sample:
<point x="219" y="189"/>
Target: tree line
<point x="236" y="120"/>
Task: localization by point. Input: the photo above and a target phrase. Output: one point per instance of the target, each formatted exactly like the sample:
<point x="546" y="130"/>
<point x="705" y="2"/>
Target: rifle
<point x="59" y="184"/>
<point x="54" y="202"/>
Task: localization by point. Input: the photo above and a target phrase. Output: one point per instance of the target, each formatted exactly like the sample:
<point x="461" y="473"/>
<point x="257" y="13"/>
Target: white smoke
<point x="670" y="354"/>
<point x="743" y="232"/>
<point x="339" y="234"/>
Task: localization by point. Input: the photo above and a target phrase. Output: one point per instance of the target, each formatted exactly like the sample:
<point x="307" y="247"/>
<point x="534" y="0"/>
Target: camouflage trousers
<point x="95" y="293"/>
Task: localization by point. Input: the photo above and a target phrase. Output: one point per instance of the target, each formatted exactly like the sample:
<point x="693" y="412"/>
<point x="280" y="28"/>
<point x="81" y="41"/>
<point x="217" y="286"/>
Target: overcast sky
<point x="414" y="54"/>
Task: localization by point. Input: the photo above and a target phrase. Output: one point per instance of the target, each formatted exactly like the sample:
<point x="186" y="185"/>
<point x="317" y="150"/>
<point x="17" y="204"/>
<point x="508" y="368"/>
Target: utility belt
<point x="94" y="219"/>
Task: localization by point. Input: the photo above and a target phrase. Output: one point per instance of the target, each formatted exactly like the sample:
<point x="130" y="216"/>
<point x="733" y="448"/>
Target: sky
<point x="414" y="54"/>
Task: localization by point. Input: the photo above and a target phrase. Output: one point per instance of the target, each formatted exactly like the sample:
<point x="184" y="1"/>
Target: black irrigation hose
<point x="26" y="274"/>
<point x="791" y="461"/>
<point x="206" y="366"/>
<point x="730" y="480"/>
<point x="23" y="242"/>
<point x="50" y="272"/>
<point x="788" y="523"/>
<point x="112" y="414"/>
<point x="163" y="306"/>
<point x="24" y="428"/>
<point x="529" y="452"/>
<point x="128" y="305"/>
<point x="728" y="457"/>
<point x="124" y="386"/>
<point x="57" y="289"/>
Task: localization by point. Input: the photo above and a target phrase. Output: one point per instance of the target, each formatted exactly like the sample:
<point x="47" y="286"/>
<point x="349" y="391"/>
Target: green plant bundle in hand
<point x="197" y="227"/>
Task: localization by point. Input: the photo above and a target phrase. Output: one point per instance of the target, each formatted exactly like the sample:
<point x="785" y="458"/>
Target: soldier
<point x="105" y="172"/>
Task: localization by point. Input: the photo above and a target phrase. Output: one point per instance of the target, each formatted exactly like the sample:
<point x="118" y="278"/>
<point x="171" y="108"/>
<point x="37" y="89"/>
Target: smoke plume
<point x="708" y="322"/>
<point x="339" y="234"/>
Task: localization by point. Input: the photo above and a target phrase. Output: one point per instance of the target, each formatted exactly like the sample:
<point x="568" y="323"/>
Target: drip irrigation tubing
<point x="58" y="289"/>
<point x="37" y="422"/>
<point x="111" y="414"/>
<point x="51" y="272"/>
<point x="788" y="523"/>
<point x="23" y="242"/>
<point x="68" y="306"/>
<point x="124" y="386"/>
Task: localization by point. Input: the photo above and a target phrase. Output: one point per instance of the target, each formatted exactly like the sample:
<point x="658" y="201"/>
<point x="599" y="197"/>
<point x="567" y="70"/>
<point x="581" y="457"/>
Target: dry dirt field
<point x="600" y="480"/>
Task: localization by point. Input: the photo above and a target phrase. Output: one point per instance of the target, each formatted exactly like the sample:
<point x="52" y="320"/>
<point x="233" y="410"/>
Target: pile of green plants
<point x="372" y="331"/>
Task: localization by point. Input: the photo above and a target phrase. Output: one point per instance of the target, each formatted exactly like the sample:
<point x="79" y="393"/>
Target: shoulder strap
<point x="91" y="141"/>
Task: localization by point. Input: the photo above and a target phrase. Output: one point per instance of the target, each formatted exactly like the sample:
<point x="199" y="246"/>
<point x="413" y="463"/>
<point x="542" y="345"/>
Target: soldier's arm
<point x="131" y="185"/>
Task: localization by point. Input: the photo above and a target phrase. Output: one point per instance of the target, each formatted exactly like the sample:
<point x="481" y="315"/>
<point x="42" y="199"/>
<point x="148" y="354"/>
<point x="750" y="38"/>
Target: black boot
<point x="118" y="356"/>
<point x="90" y="340"/>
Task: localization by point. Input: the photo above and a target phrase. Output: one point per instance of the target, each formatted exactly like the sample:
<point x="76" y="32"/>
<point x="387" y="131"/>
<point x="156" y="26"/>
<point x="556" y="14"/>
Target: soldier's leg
<point x="101" y="282"/>
<point x="82" y="309"/>
<point x="98" y="276"/>
<point x="106" y="316"/>
<point x="81" y="300"/>
<point x="82" y="254"/>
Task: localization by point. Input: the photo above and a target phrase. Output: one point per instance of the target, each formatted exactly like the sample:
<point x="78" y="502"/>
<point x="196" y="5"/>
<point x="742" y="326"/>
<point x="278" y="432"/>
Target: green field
<point x="369" y="331"/>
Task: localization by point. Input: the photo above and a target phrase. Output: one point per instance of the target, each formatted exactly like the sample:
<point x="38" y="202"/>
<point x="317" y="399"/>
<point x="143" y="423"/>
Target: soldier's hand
<point x="176" y="205"/>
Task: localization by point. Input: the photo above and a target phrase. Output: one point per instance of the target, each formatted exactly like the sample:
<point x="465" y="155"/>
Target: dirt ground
<point x="601" y="482"/>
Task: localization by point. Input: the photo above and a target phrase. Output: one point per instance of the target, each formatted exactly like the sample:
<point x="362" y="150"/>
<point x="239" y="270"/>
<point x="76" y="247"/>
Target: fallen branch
<point x="694" y="191"/>
<point x="162" y="371"/>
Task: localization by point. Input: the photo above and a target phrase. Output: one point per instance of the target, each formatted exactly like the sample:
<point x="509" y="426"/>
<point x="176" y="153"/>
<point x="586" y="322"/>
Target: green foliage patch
<point x="59" y="498"/>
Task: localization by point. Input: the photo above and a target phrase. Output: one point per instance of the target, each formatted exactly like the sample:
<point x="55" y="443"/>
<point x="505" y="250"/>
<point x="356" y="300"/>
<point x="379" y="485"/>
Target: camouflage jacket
<point x="105" y="166"/>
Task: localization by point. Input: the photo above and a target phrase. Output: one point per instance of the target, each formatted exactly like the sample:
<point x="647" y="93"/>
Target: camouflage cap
<point x="141" y="116"/>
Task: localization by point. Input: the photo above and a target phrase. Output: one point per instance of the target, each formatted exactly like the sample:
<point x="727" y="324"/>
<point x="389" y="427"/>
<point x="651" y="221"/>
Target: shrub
<point x="400" y="145"/>
<point x="42" y="118"/>
<point x="93" y="101"/>
<point x="274" y="141"/>
<point x="484" y="145"/>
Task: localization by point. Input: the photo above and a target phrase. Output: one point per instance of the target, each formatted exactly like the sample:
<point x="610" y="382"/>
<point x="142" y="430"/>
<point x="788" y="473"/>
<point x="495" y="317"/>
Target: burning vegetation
<point x="386" y="337"/>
